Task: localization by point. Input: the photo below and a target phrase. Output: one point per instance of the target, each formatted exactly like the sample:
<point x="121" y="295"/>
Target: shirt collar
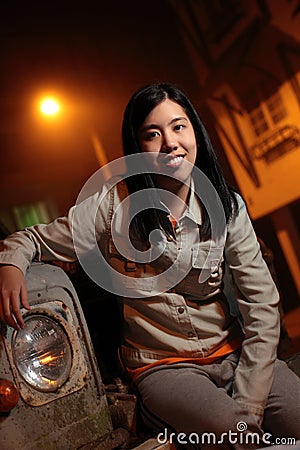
<point x="193" y="210"/>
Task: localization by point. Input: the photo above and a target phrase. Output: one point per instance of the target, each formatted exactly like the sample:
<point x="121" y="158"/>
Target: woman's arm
<point x="37" y="243"/>
<point x="54" y="241"/>
<point x="12" y="292"/>
<point x="258" y="299"/>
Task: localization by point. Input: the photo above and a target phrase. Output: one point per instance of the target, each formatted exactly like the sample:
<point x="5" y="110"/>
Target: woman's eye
<point x="152" y="135"/>
<point x="178" y="127"/>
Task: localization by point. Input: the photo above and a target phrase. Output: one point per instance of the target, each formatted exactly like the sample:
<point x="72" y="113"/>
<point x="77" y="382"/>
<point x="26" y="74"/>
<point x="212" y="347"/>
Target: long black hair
<point x="137" y="109"/>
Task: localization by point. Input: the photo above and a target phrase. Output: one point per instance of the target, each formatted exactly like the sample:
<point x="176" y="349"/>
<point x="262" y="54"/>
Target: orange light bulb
<point x="9" y="395"/>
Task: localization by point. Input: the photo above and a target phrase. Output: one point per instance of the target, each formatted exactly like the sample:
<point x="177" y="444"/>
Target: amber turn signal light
<point x="9" y="395"/>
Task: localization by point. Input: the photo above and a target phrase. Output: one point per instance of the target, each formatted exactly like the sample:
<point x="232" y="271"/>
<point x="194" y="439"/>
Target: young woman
<point x="198" y="368"/>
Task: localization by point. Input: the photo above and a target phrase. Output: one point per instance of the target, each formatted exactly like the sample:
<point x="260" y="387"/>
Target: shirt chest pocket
<point x="206" y="272"/>
<point x="127" y="274"/>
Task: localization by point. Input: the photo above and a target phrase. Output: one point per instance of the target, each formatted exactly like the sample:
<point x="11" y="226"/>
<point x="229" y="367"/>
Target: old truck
<point x="52" y="395"/>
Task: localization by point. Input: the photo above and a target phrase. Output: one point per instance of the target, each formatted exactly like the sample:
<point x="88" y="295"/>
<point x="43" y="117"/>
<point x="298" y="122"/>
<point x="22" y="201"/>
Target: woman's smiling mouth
<point x="174" y="161"/>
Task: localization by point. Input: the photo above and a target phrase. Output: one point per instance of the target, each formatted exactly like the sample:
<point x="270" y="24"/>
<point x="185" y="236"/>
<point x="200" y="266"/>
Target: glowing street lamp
<point x="49" y="106"/>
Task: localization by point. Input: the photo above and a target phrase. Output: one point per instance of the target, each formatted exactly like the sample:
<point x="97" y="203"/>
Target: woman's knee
<point x="282" y="413"/>
<point x="190" y="403"/>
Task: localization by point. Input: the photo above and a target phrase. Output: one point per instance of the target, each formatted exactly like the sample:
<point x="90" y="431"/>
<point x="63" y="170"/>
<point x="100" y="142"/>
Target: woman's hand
<point x="13" y="294"/>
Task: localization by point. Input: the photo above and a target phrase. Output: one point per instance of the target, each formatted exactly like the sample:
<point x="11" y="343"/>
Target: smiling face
<point x="168" y="133"/>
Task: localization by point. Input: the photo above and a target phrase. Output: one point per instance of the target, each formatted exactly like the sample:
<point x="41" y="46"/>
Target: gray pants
<point x="195" y="401"/>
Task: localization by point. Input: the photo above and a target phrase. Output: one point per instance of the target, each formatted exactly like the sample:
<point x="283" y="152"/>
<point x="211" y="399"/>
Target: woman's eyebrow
<point x="153" y="125"/>
<point x="176" y="119"/>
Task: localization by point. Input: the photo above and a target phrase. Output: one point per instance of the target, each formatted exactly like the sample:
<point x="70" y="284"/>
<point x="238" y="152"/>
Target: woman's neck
<point x="175" y="196"/>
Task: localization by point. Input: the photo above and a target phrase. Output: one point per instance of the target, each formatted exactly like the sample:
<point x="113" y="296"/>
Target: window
<point x="267" y="112"/>
<point x="264" y="104"/>
<point x="276" y="108"/>
<point x="258" y="121"/>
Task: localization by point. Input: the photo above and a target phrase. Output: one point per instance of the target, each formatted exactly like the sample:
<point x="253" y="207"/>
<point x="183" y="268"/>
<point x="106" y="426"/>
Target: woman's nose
<point x="169" y="144"/>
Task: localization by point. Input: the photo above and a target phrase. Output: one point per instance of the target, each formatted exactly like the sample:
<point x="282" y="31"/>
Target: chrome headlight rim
<point x="28" y="374"/>
<point x="57" y="305"/>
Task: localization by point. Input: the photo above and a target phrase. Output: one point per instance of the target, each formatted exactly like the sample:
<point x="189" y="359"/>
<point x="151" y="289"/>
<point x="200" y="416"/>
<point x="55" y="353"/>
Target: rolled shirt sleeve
<point x="55" y="241"/>
<point x="39" y="243"/>
<point x="258" y="299"/>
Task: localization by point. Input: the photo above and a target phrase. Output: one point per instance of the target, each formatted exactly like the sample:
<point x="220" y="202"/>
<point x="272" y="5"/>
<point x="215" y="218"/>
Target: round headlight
<point x="42" y="353"/>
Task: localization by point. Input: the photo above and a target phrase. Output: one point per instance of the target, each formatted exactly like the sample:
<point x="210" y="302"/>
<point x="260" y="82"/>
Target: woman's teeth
<point x="175" y="161"/>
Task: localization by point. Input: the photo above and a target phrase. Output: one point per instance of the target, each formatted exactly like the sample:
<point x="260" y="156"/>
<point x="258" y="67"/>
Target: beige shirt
<point x="190" y="318"/>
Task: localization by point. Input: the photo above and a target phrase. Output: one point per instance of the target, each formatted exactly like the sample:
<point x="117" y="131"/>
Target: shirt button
<point x="181" y="310"/>
<point x="214" y="274"/>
